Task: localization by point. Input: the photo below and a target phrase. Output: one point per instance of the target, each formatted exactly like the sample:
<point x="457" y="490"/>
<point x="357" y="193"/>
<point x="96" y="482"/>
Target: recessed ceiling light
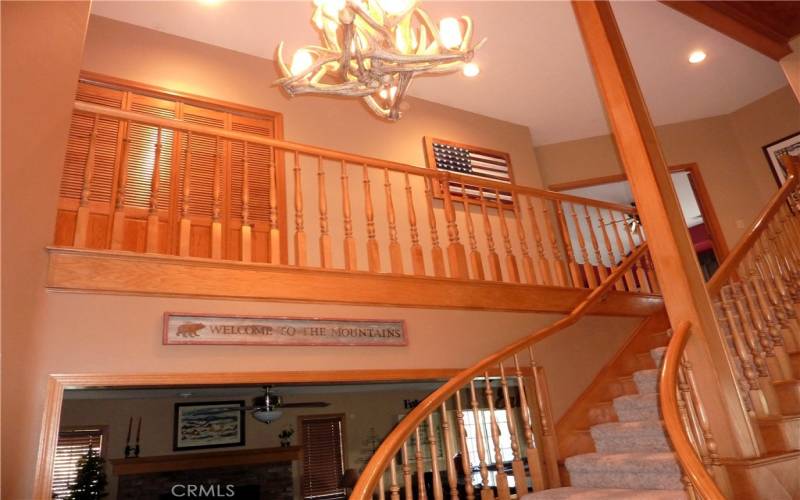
<point x="210" y="2"/>
<point x="697" y="56"/>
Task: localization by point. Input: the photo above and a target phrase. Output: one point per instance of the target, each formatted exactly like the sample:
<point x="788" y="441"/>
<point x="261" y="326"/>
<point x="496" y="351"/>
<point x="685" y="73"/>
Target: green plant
<point x="90" y="484"/>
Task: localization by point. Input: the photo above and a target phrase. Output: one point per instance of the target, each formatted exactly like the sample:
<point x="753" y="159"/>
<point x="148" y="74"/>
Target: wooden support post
<point x="456" y="253"/>
<point x="151" y="245"/>
<point x="274" y="230"/>
<point x="82" y="218"/>
<point x="373" y="250"/>
<point x="216" y="214"/>
<point x="325" y="250"/>
<point x="417" y="257"/>
<point x="682" y="283"/>
<point x="185" y="235"/>
<point x="118" y="223"/>
<point x="350" y="263"/>
<point x="299" y="228"/>
<point x="246" y="231"/>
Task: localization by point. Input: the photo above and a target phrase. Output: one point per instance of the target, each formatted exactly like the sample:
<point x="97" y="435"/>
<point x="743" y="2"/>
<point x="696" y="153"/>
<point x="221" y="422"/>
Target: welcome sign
<point x="210" y="329"/>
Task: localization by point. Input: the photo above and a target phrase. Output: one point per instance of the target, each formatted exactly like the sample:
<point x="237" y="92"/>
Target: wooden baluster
<point x="782" y="310"/>
<point x="407" y="484"/>
<point x="82" y="218"/>
<point x="748" y="328"/>
<point x="762" y="330"/>
<point x="118" y="224"/>
<point x="495" y="271"/>
<point x="394" y="488"/>
<point x="373" y="251"/>
<point x="434" y="448"/>
<point x="641" y="276"/>
<point x="588" y="269"/>
<point x="381" y="489"/>
<point x="517" y="467"/>
<point x="511" y="260"/>
<point x="417" y="257"/>
<point x="456" y="254"/>
<point x="702" y="415"/>
<point x="527" y="261"/>
<point x="630" y="282"/>
<point x="274" y="229"/>
<point x="577" y="279"/>
<point x="246" y="231"/>
<point x="785" y="253"/>
<point x="349" y="241"/>
<point x="560" y="262"/>
<point x="612" y="261"/>
<point x="184" y="239"/>
<point x="778" y="277"/>
<point x="395" y="253"/>
<point x="532" y="448"/>
<point x="216" y="210"/>
<point x="452" y="481"/>
<point x="649" y="268"/>
<point x="544" y="267"/>
<point x="773" y="324"/>
<point x="300" y="251"/>
<point x="437" y="255"/>
<point x="466" y="466"/>
<point x="475" y="260"/>
<point x="151" y="245"/>
<point x="689" y="417"/>
<point x="546" y="419"/>
<point x="325" y="250"/>
<point x="601" y="268"/>
<point x="486" y="490"/>
<point x="501" y="478"/>
<point x="419" y="462"/>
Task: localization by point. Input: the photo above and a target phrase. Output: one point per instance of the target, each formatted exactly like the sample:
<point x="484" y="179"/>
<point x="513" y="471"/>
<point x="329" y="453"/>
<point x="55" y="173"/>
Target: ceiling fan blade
<point x="309" y="404"/>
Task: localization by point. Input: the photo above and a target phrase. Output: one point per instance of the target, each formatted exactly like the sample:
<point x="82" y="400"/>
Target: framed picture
<point x="202" y="425"/>
<point x="789" y="145"/>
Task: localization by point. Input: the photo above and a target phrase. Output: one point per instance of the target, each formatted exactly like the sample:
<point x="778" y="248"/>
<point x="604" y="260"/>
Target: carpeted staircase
<point x="633" y="458"/>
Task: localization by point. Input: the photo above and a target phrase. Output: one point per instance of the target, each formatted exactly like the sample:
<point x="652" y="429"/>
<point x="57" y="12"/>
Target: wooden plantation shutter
<point x="323" y="458"/>
<point x="72" y="446"/>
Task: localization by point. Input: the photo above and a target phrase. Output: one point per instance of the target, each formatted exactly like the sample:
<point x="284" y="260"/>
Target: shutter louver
<point x="323" y="462"/>
<point x="71" y="447"/>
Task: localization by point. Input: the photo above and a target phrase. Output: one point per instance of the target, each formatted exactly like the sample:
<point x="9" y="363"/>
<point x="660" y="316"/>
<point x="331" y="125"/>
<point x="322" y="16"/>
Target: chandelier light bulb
<point x="697" y="56"/>
<point x="332" y="7"/>
<point x="450" y="32"/>
<point x="301" y="61"/>
<point x="388" y="94"/>
<point x="471" y="70"/>
<point x="395" y="7"/>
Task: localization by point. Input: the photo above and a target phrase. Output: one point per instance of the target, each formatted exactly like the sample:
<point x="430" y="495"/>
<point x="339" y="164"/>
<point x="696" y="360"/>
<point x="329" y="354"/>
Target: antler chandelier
<point x="373" y="49"/>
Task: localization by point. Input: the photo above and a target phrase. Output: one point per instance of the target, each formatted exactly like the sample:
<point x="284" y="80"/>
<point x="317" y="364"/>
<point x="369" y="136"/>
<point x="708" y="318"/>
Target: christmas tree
<point x="90" y="484"/>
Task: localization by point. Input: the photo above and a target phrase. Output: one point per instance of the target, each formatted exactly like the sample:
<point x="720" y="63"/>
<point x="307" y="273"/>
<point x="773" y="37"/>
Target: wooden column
<point x="682" y="283"/>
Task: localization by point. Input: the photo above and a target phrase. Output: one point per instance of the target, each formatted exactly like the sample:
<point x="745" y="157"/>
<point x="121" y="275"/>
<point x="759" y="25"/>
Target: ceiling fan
<point x="268" y="407"/>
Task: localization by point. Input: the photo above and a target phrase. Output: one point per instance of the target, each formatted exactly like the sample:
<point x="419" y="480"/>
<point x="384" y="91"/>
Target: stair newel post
<point x="456" y="254"/>
<point x="601" y="268"/>
<point x="449" y="453"/>
<point x="466" y="466"/>
<point x="395" y="253"/>
<point x="406" y="470"/>
<point x="246" y="230"/>
<point x="216" y="209"/>
<point x="546" y="421"/>
<point x="588" y="269"/>
<point x="373" y="250"/>
<point x="325" y="251"/>
<point x="503" y="491"/>
<point x="394" y="488"/>
<point x="185" y="235"/>
<point x="577" y="279"/>
<point x="486" y="490"/>
<point x="612" y="261"/>
<point x="433" y="444"/>
<point x="544" y="267"/>
<point x="495" y="271"/>
<point x="517" y="467"/>
<point x="532" y="447"/>
<point x="300" y="254"/>
<point x="475" y="260"/>
<point x="118" y="223"/>
<point x="630" y="282"/>
<point x="349" y="241"/>
<point x="419" y="462"/>
<point x="417" y="257"/>
<point x="82" y="217"/>
<point x="437" y="255"/>
<point x="527" y="261"/>
<point x="274" y="229"/>
<point x="559" y="259"/>
<point x="151" y="245"/>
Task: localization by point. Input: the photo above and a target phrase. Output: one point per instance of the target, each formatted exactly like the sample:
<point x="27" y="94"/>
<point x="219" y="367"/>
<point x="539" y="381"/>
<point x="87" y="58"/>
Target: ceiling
<point x="534" y="69"/>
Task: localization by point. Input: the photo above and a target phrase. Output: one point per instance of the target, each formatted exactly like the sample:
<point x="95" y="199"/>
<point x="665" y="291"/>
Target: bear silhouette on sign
<point x="189" y="329"/>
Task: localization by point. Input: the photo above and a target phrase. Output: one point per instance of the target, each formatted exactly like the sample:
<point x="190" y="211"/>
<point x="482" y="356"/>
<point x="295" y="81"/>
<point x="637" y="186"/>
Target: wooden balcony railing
<point x="319" y="208"/>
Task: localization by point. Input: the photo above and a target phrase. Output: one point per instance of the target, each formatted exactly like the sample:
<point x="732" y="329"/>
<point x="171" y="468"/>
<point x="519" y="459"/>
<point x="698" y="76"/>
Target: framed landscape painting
<point x="202" y="425"/>
<point x="789" y="145"/>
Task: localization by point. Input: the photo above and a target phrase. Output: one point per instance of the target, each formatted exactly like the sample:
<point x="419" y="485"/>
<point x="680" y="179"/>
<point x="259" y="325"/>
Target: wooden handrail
<point x="391" y="444"/>
<point x="735" y="257"/>
<point x="667" y="388"/>
<point x="331" y="154"/>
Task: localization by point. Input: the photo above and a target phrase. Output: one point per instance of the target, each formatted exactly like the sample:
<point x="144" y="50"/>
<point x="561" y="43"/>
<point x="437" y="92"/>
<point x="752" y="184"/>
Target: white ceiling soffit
<point x="534" y="69"/>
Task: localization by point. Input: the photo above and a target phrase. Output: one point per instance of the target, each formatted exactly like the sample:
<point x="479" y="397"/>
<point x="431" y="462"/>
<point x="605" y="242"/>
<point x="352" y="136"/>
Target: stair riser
<point x="632" y="443"/>
<point x="781" y="436"/>
<point x="637" y="480"/>
<point x="795" y="358"/>
<point x="788" y="396"/>
<point x="601" y="414"/>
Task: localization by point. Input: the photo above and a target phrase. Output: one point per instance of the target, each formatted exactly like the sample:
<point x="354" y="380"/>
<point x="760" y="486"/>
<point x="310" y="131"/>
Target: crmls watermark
<point x="203" y="491"/>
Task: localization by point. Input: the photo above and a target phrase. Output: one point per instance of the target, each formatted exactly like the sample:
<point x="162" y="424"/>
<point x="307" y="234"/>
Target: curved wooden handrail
<point x="332" y="154"/>
<point x="387" y="450"/>
<point x="735" y="257"/>
<point x="667" y="388"/>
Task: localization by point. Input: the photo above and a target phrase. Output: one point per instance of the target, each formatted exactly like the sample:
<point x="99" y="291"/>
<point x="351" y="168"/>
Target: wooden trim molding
<point x="161" y="275"/>
<point x="187" y="461"/>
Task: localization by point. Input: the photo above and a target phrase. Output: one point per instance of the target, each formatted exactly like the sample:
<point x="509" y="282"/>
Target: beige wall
<point x="49" y="333"/>
<point x="727" y="149"/>
<point x="791" y="66"/>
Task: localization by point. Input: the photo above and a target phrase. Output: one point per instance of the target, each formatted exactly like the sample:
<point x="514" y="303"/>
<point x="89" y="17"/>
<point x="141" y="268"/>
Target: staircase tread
<point x="627" y="462"/>
<point x="570" y="493"/>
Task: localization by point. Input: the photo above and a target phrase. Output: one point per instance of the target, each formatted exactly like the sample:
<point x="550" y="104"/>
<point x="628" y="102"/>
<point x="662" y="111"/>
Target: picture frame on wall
<point x="196" y="427"/>
<point x="789" y="145"/>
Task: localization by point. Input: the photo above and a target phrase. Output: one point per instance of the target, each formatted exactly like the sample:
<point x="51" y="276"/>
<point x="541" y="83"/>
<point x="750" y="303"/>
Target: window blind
<point x="323" y="460"/>
<point x="72" y="446"/>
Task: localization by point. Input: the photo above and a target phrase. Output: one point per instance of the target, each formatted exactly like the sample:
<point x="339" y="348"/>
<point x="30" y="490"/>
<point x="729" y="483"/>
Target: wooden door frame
<point x="700" y="193"/>
<point x="57" y="383"/>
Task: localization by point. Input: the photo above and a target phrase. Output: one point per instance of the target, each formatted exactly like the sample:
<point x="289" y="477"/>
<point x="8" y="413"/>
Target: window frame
<point x="301" y="419"/>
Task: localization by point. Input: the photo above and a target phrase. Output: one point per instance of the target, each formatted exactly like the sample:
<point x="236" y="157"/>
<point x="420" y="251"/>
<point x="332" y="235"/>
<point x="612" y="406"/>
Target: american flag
<point x="476" y="164"/>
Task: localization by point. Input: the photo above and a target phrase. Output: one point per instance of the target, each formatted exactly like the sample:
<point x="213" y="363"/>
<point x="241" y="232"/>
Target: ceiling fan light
<point x="267" y="416"/>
